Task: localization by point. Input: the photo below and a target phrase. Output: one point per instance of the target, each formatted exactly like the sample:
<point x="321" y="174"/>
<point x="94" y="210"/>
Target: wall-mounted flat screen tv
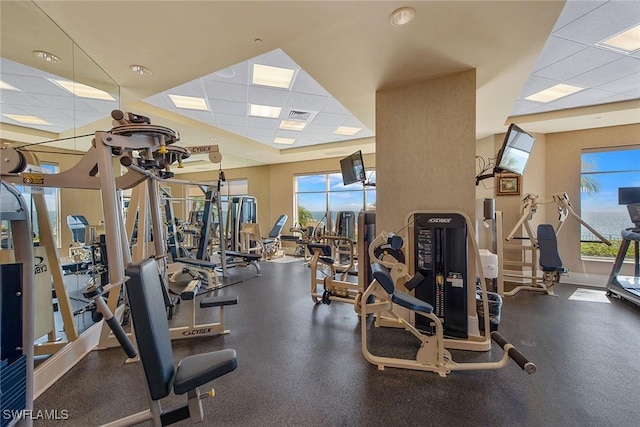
<point x="514" y="154"/>
<point x="352" y="169"/>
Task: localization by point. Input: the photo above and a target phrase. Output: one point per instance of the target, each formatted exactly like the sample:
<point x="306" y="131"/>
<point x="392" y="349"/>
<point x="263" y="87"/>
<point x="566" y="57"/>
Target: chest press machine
<point x="398" y="308"/>
<point x="542" y="246"/>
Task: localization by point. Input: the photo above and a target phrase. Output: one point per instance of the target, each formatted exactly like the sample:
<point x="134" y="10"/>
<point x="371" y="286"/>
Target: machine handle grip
<point x="522" y="361"/>
<point x="122" y="338"/>
<point x="113" y="323"/>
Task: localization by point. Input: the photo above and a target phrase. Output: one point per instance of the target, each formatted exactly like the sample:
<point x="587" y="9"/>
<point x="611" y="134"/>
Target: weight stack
<point x="440" y="255"/>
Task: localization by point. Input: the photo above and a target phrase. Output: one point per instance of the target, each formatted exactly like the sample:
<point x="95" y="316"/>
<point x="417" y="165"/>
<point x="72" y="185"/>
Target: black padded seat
<point x="218" y="301"/>
<point x="548" y="244"/>
<point x="326" y="259"/>
<point x="197" y="262"/>
<point x="149" y="316"/>
<point x="246" y="257"/>
<point x="381" y="274"/>
<point x="194" y="371"/>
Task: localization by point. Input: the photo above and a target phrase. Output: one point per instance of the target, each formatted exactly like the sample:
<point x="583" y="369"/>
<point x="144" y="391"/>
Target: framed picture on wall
<point x="508" y="185"/>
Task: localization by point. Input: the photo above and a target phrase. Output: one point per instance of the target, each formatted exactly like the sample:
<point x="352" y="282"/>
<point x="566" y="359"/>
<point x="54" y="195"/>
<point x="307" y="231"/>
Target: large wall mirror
<point x="54" y="97"/>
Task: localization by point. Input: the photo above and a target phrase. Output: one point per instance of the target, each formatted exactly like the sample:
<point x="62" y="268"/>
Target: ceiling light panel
<point x="265" y="111"/>
<point x="84" y="91"/>
<point x="285" y="141"/>
<point x="265" y="75"/>
<point x="627" y="41"/>
<point x="7" y="86"/>
<point x="347" y="130"/>
<point x="292" y="125"/>
<point x="555" y="92"/>
<point x="189" y="102"/>
<point x="30" y="120"/>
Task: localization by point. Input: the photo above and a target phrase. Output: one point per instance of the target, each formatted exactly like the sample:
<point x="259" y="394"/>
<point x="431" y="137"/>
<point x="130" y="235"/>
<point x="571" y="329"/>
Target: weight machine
<point x="436" y="239"/>
<point x="331" y="276"/>
<point x="534" y="253"/>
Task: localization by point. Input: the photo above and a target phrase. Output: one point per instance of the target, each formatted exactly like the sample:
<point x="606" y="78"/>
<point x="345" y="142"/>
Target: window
<point x="603" y="172"/>
<point x="315" y="195"/>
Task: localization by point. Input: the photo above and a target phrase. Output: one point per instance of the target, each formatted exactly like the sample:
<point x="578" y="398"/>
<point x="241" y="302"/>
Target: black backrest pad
<point x="549" y="257"/>
<point x="381" y="274"/>
<point x="151" y="326"/>
<point x="278" y="226"/>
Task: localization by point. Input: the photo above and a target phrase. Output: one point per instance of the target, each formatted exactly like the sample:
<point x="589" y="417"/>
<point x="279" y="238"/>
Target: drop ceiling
<point x="343" y="52"/>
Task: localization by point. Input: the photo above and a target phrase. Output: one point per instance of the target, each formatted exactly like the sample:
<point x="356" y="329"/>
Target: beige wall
<point x="425" y="148"/>
<point x="562" y="163"/>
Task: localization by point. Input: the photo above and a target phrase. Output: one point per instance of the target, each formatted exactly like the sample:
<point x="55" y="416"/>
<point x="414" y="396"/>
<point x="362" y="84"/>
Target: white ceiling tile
<point x="8" y="66"/>
<point x="66" y="102"/>
<point x="305" y="84"/>
<point x="34" y="85"/>
<point x="334" y="106"/>
<point x="225" y="91"/>
<point x="612" y="71"/>
<point x="556" y="49"/>
<point x="298" y="136"/>
<point x="602" y="22"/>
<point x="617" y="98"/>
<point x="330" y="119"/>
<point x="579" y="63"/>
<point x="228" y="107"/>
<point x="624" y="84"/>
<point x="306" y="102"/>
<point x="192" y="88"/>
<point x="239" y="130"/>
<point x="316" y="128"/>
<point x="100" y="105"/>
<point x="524" y="106"/>
<point x="227" y="119"/>
<point x="353" y="121"/>
<point x="203" y="116"/>
<point x="261" y="95"/>
<point x="574" y="9"/>
<point x="51" y="113"/>
<point x="260" y="132"/>
<point x="263" y="123"/>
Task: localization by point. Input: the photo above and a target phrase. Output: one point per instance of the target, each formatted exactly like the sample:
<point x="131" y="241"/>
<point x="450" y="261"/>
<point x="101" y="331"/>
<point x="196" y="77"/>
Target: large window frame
<point x="324" y="195"/>
<point x="603" y="171"/>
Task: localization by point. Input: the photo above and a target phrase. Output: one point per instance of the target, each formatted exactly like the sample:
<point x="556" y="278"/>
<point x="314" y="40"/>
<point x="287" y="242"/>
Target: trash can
<point x="494" y="302"/>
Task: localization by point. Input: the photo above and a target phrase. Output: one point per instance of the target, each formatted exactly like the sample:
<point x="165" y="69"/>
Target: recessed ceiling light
<point x="47" y="57"/>
<point x="402" y="16"/>
<point x="140" y="69"/>
<point x="286" y="141"/>
<point x="189" y="102"/>
<point x="7" y="86"/>
<point x="292" y="125"/>
<point x="627" y="41"/>
<point x="265" y="111"/>
<point x="554" y="92"/>
<point x="83" y="91"/>
<point x="31" y="120"/>
<point x="265" y="75"/>
<point x="346" y="130"/>
<point x="226" y="73"/>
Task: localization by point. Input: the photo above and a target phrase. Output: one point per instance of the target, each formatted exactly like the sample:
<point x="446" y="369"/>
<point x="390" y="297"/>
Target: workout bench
<point x="154" y="348"/>
<point x="239" y="258"/>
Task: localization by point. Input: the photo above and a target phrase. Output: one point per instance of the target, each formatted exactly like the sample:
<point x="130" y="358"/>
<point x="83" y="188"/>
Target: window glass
<point x="603" y="172"/>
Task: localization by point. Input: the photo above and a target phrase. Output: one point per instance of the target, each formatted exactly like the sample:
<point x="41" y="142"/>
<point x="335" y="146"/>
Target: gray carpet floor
<point x="300" y="364"/>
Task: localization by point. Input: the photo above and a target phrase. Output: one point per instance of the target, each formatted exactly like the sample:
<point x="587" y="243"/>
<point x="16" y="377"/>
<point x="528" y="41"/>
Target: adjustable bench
<point x="247" y="259"/>
<point x="154" y="347"/>
<point x="206" y="268"/>
<point x="550" y="261"/>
